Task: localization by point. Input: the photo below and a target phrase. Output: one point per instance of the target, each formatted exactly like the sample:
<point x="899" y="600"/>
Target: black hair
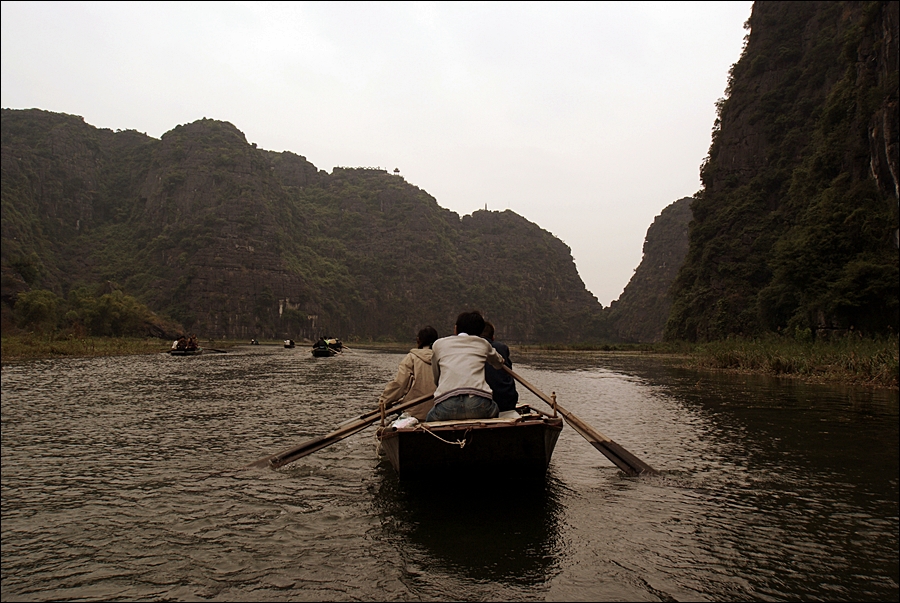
<point x="488" y="332"/>
<point x="427" y="336"/>
<point x="471" y="322"/>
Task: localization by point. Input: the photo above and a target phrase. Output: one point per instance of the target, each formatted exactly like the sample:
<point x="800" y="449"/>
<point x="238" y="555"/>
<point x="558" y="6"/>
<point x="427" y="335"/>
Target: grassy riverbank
<point x="849" y="360"/>
<point x="845" y="360"/>
<point x="33" y="346"/>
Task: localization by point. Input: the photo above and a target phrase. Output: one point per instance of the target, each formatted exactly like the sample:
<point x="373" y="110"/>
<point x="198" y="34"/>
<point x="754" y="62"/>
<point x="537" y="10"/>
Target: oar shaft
<point x="529" y="386"/>
<point x="307" y="448"/>
<point x="587" y="428"/>
<point x="347" y="428"/>
<point x="620" y="457"/>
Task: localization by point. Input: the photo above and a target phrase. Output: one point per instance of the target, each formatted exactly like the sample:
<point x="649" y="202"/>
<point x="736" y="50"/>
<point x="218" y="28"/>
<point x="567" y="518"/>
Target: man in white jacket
<point x="458" y="363"/>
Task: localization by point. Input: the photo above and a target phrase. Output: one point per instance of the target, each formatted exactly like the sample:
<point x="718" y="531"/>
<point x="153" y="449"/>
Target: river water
<point x="122" y="480"/>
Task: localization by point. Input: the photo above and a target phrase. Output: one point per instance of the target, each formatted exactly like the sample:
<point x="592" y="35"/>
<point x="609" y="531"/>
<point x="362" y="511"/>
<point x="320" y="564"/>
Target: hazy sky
<point x="585" y="118"/>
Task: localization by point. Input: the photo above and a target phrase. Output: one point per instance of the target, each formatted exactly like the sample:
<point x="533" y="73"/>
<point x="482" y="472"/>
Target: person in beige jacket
<point x="458" y="363"/>
<point x="415" y="377"/>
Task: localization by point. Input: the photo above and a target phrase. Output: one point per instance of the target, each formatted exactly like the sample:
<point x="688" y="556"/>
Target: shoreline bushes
<point x="850" y="359"/>
<point x="86" y="313"/>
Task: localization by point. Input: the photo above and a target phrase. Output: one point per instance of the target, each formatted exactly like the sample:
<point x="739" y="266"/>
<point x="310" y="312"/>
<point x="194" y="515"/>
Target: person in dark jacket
<point x="502" y="384"/>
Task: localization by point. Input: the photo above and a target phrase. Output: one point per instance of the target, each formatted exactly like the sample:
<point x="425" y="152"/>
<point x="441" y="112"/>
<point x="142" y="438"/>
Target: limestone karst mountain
<point x="641" y="312"/>
<point x="235" y="241"/>
<point x="796" y="227"/>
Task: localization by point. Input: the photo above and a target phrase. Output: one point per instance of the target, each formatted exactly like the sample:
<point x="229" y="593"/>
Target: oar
<point x="347" y="428"/>
<point x="623" y="459"/>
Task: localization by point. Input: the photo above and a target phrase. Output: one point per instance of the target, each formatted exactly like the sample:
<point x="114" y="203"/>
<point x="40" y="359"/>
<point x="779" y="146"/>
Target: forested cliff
<point x="234" y="241"/>
<point x="640" y="313"/>
<point x="796" y="226"/>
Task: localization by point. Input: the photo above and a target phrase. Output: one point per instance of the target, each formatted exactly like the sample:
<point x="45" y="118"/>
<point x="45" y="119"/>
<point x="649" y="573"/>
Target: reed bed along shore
<point x="846" y="360"/>
<point x="849" y="360"/>
<point x="32" y="346"/>
<point x="36" y="347"/>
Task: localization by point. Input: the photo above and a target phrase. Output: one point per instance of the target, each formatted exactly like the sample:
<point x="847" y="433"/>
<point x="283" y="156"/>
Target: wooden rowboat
<point x="186" y="352"/>
<point x="327" y="347"/>
<point x="518" y="442"/>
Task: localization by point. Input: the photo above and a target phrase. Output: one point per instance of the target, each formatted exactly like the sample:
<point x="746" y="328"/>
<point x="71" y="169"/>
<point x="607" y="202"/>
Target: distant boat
<point x="254" y="342"/>
<point x="185" y="346"/>
<point x="327" y="346"/>
<point x="289" y="343"/>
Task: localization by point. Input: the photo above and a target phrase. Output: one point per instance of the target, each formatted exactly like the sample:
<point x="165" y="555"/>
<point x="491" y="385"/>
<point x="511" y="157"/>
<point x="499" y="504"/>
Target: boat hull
<point x="522" y="446"/>
<point x="323" y="352"/>
<point x="193" y="352"/>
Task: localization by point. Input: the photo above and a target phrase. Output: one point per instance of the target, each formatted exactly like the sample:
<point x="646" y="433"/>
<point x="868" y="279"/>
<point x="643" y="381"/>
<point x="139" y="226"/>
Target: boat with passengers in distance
<point x="185" y="346"/>
<point x="289" y="343"/>
<point x="327" y="346"/>
<point x="518" y="442"/>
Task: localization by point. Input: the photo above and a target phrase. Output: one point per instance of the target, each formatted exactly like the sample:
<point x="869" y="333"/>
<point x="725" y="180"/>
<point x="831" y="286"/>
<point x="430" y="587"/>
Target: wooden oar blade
<point x="607" y="447"/>
<point x="260" y="464"/>
<point x="623" y="459"/>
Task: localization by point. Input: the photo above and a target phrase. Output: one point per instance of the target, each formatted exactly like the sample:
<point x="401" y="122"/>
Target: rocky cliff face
<point x="235" y="241"/>
<point x="641" y="312"/>
<point x="796" y="226"/>
<point x="797" y="55"/>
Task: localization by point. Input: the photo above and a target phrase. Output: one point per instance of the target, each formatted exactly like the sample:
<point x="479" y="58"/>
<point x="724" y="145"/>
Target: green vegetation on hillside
<point x="234" y="241"/>
<point x="85" y="314"/>
<point x="641" y="312"/>
<point x="796" y="227"/>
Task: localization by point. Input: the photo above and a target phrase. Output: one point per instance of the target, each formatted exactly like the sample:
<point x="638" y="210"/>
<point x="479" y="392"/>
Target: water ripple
<point x="122" y="480"/>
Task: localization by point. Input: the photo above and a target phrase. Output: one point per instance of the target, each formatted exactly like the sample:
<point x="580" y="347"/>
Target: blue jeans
<point x="465" y="406"/>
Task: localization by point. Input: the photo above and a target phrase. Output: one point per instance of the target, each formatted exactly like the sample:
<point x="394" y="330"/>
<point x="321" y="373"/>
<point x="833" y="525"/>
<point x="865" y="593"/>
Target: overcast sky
<point x="587" y="119"/>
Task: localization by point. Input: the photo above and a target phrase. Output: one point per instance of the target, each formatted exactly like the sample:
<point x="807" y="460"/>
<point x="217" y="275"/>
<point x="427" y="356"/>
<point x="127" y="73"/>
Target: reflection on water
<point x="503" y="530"/>
<point x="121" y="479"/>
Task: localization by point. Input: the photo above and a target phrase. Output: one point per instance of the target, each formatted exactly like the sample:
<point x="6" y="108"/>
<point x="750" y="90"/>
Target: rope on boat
<point x="461" y="443"/>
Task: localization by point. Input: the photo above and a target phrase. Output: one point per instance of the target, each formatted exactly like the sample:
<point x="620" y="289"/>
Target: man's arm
<point x="504" y="351"/>
<point x="495" y="359"/>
